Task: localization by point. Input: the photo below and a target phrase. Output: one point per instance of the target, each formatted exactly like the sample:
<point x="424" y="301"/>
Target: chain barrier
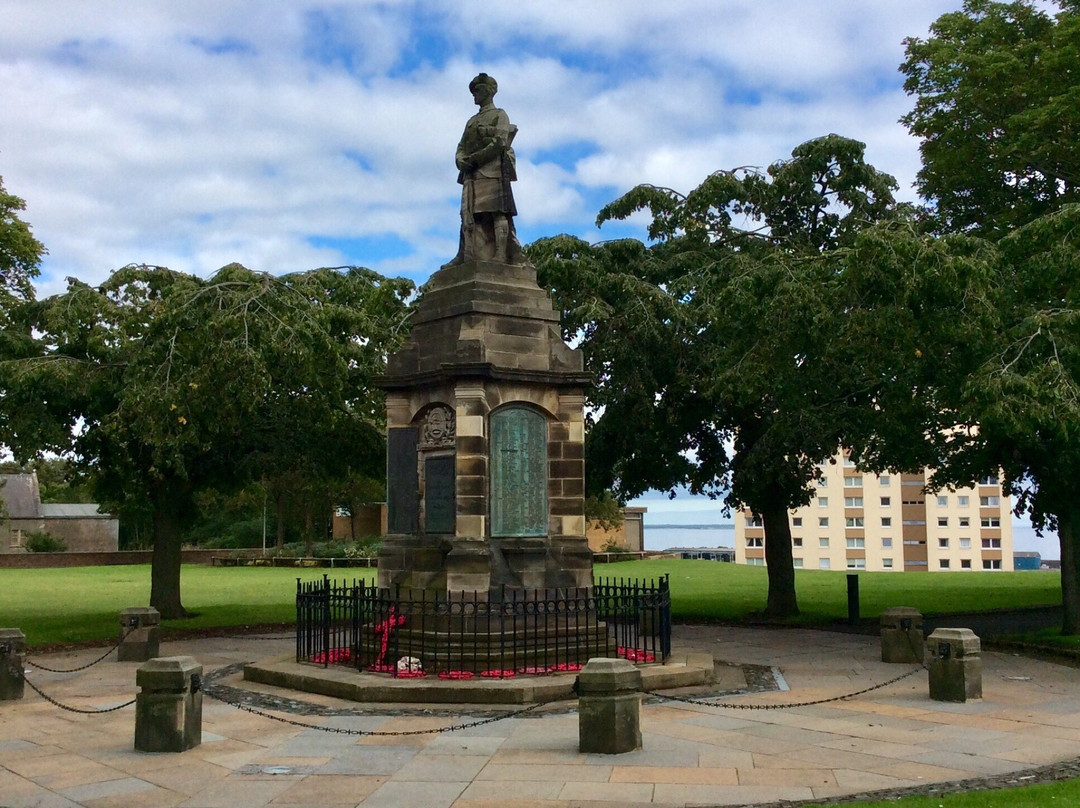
<point x="71" y="709"/>
<point x="209" y="690"/>
<point x="729" y="706"/>
<point x="101" y="658"/>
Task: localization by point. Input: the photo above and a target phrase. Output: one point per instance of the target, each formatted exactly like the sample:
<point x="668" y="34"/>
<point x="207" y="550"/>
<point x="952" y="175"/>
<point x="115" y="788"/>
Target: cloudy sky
<point x="289" y="135"/>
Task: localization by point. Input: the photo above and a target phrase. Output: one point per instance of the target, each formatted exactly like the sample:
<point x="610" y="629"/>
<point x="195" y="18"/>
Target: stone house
<point x="81" y="525"/>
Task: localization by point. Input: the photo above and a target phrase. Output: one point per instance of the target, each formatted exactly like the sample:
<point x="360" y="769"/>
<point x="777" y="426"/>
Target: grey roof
<point x="19" y="493"/>
<point x="72" y="510"/>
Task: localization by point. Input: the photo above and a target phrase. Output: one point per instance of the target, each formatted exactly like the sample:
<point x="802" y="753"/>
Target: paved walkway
<point x="692" y="755"/>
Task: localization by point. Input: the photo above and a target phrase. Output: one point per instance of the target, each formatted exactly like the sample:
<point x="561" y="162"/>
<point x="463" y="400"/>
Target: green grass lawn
<point x="708" y="590"/>
<point x="83" y="603"/>
<point x="1040" y="796"/>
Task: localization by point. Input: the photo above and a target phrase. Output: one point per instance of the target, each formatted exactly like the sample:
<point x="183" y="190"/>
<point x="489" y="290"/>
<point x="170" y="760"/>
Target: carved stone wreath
<point x="438" y="430"/>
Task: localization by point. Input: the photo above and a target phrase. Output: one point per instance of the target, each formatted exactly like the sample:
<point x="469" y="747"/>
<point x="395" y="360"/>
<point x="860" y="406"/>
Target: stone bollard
<point x="609" y="707"/>
<point x="140" y="632"/>
<point x="955" y="665"/>
<point x="12" y="662"/>
<point x="902" y="635"/>
<point x="168" y="706"/>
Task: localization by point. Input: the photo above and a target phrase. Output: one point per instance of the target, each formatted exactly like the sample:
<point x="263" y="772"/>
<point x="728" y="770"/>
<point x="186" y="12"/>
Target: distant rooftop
<point x="72" y="510"/>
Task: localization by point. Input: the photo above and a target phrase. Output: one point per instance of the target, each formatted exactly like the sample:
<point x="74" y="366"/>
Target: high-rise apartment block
<point x="886" y="522"/>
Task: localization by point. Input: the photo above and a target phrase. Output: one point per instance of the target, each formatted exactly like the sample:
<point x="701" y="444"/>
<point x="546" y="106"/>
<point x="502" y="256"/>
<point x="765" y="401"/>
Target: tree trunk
<point x="165" y="561"/>
<point x="782" y="602"/>
<point x="1069" y="538"/>
<point x="279" y="519"/>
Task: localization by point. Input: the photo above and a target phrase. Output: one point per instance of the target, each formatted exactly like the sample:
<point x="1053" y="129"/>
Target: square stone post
<point x="609" y="707"/>
<point x="140" y="634"/>
<point x="12" y="663"/>
<point x="955" y="665"/>
<point x="902" y="635"/>
<point x="168" y="706"/>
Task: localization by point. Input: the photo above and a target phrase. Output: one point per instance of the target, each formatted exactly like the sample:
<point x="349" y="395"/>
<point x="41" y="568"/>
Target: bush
<point x="41" y="541"/>
<point x="614" y="546"/>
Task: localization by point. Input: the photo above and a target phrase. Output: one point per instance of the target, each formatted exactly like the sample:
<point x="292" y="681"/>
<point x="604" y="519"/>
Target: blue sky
<point x="287" y="135"/>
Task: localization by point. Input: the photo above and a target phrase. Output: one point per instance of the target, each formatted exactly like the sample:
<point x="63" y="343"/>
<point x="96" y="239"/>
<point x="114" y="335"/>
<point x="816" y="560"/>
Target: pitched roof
<point x="20" y="495"/>
<point x="72" y="510"/>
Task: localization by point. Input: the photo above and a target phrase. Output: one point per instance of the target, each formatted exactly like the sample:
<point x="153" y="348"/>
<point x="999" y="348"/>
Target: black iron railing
<point x="411" y="633"/>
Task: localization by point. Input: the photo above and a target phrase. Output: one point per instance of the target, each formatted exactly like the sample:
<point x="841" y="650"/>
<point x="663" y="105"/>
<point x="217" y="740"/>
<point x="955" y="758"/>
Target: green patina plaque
<point x="518" y="473"/>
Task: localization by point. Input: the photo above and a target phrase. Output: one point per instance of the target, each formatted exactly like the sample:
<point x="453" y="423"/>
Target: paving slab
<point x="693" y="753"/>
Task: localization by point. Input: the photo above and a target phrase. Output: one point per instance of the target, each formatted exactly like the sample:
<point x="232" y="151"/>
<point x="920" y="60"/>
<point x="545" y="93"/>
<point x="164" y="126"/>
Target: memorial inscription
<point x="439" y="500"/>
<point x="402" y="481"/>
<point x="518" y="473"/>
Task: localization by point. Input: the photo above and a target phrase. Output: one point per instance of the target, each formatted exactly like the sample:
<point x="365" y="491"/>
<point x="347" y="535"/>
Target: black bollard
<point x="852" y="599"/>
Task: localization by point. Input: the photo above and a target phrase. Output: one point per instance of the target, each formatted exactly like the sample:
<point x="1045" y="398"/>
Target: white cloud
<point x="193" y="134"/>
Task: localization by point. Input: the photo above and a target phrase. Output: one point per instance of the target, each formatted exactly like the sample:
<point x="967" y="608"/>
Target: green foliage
<point x="723" y="334"/>
<point x="997" y="89"/>
<point x="179" y="384"/>
<point x="41" y="541"/>
<point x="20" y="254"/>
<point x="604" y="509"/>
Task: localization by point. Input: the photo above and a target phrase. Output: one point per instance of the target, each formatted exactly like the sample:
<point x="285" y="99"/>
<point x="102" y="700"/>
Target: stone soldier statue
<point x="485" y="161"/>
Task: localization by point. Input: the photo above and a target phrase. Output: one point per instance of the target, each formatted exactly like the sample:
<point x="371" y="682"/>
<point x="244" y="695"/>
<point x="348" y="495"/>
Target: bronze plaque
<point x="402" y="481"/>
<point x="518" y="473"/>
<point x="439" y="479"/>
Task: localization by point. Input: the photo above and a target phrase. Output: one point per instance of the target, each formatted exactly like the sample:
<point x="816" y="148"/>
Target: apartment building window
<point x="991" y="563"/>
<point x="796" y="521"/>
<point x="963" y="501"/>
<point x="856" y="544"/>
<point x="856" y="563"/>
<point x="753" y="521"/>
<point x="886" y="542"/>
<point x="991" y="544"/>
<point x="823" y="502"/>
<point x="943" y="521"/>
<point x="853" y="521"/>
<point x="853" y="502"/>
<point x="823" y="482"/>
<point x="823" y="541"/>
<point x="990" y="521"/>
<point x="965" y="563"/>
<point x="853" y="482"/>
<point x="943" y="502"/>
<point x="823" y="564"/>
<point x="796" y="541"/>
<point x="755" y="562"/>
<point x="989" y="502"/>
<point x="965" y="521"/>
<point x="913" y="501"/>
<point x="943" y="563"/>
<point x="886" y="502"/>
<point x="823" y="521"/>
<point x="942" y="542"/>
<point x="797" y="563"/>
<point x="886" y="521"/>
<point x="965" y="544"/>
<point x="914" y="521"/>
<point x="849" y="463"/>
<point x="755" y="541"/>
<point x="884" y="480"/>
<point x="886" y="563"/>
<point x="988" y="481"/>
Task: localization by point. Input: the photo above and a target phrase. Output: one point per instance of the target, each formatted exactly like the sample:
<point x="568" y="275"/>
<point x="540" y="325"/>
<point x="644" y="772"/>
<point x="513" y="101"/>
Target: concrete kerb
<point x="343" y="682"/>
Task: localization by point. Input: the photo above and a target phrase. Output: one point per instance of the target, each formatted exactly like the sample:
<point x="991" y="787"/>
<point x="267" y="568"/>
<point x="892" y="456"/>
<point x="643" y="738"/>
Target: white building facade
<point x="886" y="523"/>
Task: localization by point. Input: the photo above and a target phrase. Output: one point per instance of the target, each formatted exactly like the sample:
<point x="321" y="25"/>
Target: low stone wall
<point x="46" y="560"/>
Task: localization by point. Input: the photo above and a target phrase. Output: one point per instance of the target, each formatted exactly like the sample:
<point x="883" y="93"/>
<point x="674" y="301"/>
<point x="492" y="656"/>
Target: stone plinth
<point x="955" y="664"/>
<point x="901" y="635"/>
<point x="168" y="706"/>
<point x="609" y="707"/>
<point x="140" y="634"/>
<point x="486" y="436"/>
<point x="12" y="663"/>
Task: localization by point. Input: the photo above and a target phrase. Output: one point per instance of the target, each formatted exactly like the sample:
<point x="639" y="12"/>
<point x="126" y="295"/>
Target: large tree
<point x="160" y="384"/>
<point x="712" y="345"/>
<point x="997" y="107"/>
<point x="998" y="112"/>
